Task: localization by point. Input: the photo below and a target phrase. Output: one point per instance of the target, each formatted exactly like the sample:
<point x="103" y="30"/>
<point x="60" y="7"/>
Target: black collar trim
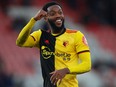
<point x="61" y="32"/>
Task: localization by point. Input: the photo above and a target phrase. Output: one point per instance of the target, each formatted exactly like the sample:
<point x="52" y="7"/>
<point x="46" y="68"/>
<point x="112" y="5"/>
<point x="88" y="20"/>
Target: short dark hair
<point x="50" y="4"/>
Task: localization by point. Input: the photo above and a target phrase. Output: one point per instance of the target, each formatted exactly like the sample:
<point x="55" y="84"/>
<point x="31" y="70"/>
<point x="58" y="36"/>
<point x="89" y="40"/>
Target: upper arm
<point x="81" y="43"/>
<point x="33" y="39"/>
<point x="82" y="49"/>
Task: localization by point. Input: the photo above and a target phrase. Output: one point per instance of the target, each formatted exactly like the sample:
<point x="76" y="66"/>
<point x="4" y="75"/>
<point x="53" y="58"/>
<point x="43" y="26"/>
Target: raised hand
<point x="40" y="14"/>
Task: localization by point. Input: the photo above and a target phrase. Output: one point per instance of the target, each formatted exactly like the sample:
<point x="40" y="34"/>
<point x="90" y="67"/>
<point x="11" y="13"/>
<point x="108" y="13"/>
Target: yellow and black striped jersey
<point x="58" y="52"/>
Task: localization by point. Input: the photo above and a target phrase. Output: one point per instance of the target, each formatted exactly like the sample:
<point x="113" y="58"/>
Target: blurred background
<point x="20" y="67"/>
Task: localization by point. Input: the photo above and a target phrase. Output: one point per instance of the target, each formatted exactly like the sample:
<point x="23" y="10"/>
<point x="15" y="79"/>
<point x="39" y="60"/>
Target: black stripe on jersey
<point x="47" y="48"/>
<point x="83" y="51"/>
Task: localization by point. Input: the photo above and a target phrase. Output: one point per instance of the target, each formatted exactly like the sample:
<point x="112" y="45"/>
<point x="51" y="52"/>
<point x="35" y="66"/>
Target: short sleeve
<point x="81" y="43"/>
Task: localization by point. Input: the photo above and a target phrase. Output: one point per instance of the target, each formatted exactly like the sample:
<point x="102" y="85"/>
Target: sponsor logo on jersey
<point x="47" y="53"/>
<point x="62" y="54"/>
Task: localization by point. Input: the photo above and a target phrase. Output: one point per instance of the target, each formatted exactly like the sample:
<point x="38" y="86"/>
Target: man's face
<point x="55" y="16"/>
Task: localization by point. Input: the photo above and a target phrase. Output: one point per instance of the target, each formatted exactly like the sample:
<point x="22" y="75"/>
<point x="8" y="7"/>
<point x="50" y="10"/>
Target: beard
<point x="54" y="28"/>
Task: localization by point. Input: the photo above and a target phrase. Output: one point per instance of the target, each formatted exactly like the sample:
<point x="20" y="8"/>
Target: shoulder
<point x="71" y="31"/>
<point x="36" y="33"/>
<point x="74" y="31"/>
<point x="41" y="31"/>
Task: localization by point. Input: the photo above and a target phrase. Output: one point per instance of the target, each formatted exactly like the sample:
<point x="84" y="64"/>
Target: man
<point x="64" y="53"/>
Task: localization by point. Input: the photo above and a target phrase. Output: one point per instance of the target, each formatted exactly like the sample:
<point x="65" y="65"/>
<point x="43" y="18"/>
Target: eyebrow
<point x="55" y="11"/>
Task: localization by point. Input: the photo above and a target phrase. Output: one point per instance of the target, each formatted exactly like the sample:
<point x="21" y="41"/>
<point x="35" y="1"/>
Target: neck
<point x="57" y="31"/>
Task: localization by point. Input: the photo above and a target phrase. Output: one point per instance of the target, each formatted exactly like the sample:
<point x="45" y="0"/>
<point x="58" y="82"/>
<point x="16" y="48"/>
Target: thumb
<point x="52" y="72"/>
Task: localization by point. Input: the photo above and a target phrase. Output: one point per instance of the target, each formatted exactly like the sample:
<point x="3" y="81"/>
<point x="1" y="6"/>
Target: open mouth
<point x="58" y="22"/>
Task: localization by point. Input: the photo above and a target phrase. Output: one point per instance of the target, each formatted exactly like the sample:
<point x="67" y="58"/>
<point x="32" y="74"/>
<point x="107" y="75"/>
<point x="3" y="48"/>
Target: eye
<point x="52" y="13"/>
<point x="60" y="12"/>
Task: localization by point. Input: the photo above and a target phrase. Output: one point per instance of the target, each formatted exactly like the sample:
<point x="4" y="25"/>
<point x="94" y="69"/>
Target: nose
<point x="58" y="15"/>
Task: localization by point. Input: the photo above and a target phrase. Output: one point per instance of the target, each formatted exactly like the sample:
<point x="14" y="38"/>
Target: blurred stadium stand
<point x="15" y="57"/>
<point x="22" y="62"/>
<point x="106" y="35"/>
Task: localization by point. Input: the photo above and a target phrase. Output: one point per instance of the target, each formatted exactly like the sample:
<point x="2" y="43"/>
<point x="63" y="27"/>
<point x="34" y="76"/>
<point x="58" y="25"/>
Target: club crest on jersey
<point x="84" y="40"/>
<point x="65" y="43"/>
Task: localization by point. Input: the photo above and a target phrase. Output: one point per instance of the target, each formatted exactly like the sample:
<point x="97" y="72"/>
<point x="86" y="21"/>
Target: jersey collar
<point x="56" y="35"/>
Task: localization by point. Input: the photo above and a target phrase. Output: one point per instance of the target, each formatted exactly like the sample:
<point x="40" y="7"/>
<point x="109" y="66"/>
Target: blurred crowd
<point x="99" y="11"/>
<point x="81" y="12"/>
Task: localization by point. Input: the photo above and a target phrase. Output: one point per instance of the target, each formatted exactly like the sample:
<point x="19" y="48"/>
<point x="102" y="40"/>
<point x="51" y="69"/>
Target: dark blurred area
<point x="20" y="67"/>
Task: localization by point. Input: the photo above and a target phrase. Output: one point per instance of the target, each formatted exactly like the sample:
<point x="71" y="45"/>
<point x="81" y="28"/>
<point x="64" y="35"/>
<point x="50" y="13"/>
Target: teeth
<point x="59" y="20"/>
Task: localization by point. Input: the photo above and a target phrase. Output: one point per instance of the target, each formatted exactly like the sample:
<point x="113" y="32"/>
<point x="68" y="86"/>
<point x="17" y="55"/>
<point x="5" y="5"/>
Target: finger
<point x="52" y="72"/>
<point x="53" y="78"/>
<point x="55" y="81"/>
<point x="53" y="75"/>
<point x="59" y="81"/>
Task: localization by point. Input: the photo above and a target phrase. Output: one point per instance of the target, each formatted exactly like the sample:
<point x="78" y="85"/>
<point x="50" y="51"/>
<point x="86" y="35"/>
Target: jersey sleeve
<point x="33" y="39"/>
<point x="83" y="66"/>
<point x="84" y="55"/>
<point x="81" y="43"/>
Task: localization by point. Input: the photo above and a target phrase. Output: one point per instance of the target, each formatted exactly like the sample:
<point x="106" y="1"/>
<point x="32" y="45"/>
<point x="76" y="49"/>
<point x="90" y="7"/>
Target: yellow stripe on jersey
<point x="67" y="54"/>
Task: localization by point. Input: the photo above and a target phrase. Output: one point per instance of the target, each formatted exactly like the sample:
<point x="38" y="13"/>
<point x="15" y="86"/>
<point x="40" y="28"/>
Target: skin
<point x="55" y="15"/>
<point x="55" y="19"/>
<point x="55" y="12"/>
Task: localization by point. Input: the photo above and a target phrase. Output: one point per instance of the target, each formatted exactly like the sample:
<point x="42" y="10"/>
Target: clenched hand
<point x="40" y="14"/>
